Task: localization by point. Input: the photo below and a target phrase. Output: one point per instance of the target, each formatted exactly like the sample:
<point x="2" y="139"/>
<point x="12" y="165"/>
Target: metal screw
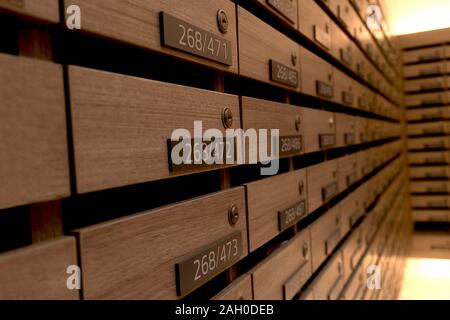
<point x="305" y="250"/>
<point x="222" y="21"/>
<point x="298" y="122"/>
<point x="233" y="215"/>
<point x="301" y="187"/>
<point x="227" y="118"/>
<point x="294" y="59"/>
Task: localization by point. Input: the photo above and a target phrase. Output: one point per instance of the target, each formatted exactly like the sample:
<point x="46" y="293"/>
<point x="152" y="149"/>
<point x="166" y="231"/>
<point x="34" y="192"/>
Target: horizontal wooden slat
<point x="121" y="125"/>
<point x="45" y="10"/>
<point x="38" y="272"/>
<point x="137" y="22"/>
<point x="135" y="257"/>
<point x="239" y="289"/>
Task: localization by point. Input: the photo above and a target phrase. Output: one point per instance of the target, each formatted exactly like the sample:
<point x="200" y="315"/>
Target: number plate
<point x="332" y="241"/>
<point x="351" y="179"/>
<point x="290" y="216"/>
<point x="329" y="191"/>
<point x="437" y="145"/>
<point x="347" y="98"/>
<point x="282" y="74"/>
<point x="437" y="204"/>
<point x="346" y="56"/>
<point x="296" y="281"/>
<point x="432" y="116"/>
<point x="355" y="217"/>
<point x="207" y="263"/>
<point x="322" y="37"/>
<point x="429" y="57"/>
<point x="327" y="140"/>
<point x="436" y="175"/>
<point x="430" y="72"/>
<point x="436" y="160"/>
<point x="427" y="102"/>
<point x="324" y="89"/>
<point x="438" y="189"/>
<point x="285" y="7"/>
<point x="362" y="103"/>
<point x="290" y="145"/>
<point x="196" y="154"/>
<point x="349" y="138"/>
<point x="178" y="34"/>
<point x="433" y="130"/>
<point x="364" y="136"/>
<point x="431" y="86"/>
<point x="365" y="170"/>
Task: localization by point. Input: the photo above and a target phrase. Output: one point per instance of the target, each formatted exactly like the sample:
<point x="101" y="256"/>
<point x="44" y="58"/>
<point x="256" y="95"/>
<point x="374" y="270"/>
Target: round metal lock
<point x="222" y="21"/>
<point x="294" y="59"/>
<point x="305" y="250"/>
<point x="227" y="118"/>
<point x="233" y="215"/>
<point x="298" y="122"/>
<point x="301" y="187"/>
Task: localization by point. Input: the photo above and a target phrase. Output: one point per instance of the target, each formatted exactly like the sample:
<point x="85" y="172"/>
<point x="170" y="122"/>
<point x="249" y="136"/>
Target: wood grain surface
<point x="136" y="22"/>
<point x="320" y="176"/>
<point x="266" y="197"/>
<point x="280" y="266"/>
<point x="321" y="230"/>
<point x="262" y="114"/>
<point x="134" y="257"/>
<point x="345" y="126"/>
<point x="317" y="122"/>
<point x="239" y="289"/>
<point x="38" y="272"/>
<point x="34" y="165"/>
<point x="315" y="69"/>
<point x="330" y="281"/>
<point x="347" y="171"/>
<point x="258" y="44"/>
<point x="312" y="17"/>
<point x="121" y="125"/>
<point x="44" y="10"/>
<point x="277" y="13"/>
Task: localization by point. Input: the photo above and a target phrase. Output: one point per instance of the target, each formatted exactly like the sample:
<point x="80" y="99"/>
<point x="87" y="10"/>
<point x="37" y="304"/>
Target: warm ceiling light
<point x="410" y="16"/>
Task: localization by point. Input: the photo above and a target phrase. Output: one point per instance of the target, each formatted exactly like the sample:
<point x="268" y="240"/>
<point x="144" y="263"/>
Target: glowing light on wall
<point x="410" y="16"/>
